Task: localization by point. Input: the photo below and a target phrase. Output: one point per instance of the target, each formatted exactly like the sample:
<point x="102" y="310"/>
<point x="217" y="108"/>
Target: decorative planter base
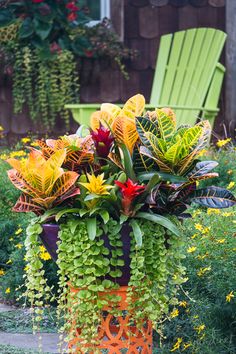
<point x="116" y="336"/>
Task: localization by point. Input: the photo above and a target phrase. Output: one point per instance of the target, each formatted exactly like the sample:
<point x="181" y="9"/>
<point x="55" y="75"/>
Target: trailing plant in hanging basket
<point x="44" y="42"/>
<point x="108" y="207"/>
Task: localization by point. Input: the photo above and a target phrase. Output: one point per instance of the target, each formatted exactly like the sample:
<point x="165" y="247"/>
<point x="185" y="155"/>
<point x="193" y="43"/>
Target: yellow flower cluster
<point x="1" y="272"/>
<point x="191" y="249"/>
<point x="7" y="291"/>
<point x="174" y="313"/>
<point x="44" y="255"/>
<point x="202" y="271"/>
<point x="200" y="328"/>
<point x="230" y="296"/>
<point x="18" y="231"/>
<point x="19" y="245"/>
<point x="221" y="143"/>
<point x="25" y="140"/>
<point x="231" y="185"/>
<point x="177" y="344"/>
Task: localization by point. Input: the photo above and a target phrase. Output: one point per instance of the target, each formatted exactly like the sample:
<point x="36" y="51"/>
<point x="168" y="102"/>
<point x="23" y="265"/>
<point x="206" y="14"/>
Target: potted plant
<point x="108" y="207"/>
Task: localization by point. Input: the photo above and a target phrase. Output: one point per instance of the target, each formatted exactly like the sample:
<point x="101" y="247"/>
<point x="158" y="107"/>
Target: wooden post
<point x="230" y="94"/>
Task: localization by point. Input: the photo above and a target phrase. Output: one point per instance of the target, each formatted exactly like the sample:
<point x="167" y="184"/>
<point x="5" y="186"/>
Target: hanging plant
<point x="44" y="41"/>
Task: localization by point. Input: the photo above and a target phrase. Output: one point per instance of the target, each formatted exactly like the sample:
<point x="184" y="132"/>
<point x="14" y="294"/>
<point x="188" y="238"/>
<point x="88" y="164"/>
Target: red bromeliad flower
<point x="129" y="191"/>
<point x="103" y="140"/>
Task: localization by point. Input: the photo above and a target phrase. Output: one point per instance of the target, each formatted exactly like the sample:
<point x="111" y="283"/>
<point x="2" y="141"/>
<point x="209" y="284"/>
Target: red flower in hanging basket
<point x="103" y="140"/>
<point x="129" y="190"/>
<point x="72" y="17"/>
<point x="72" y="7"/>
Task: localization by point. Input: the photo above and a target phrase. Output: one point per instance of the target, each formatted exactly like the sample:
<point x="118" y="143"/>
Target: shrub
<point x="205" y="321"/>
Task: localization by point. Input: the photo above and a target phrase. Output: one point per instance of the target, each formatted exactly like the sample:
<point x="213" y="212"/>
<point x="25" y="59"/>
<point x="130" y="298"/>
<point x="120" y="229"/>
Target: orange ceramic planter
<point x="116" y="334"/>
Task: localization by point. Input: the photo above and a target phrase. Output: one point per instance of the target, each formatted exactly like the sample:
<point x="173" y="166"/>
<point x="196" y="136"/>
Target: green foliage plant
<point x="107" y="195"/>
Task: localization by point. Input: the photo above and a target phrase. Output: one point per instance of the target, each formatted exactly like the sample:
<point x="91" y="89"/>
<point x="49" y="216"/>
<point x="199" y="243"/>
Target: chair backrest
<point x="185" y="66"/>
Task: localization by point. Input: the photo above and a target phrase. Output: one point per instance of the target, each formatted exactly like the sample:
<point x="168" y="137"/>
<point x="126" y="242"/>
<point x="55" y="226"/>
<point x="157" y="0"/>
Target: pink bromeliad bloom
<point x="103" y="140"/>
<point x="129" y="190"/>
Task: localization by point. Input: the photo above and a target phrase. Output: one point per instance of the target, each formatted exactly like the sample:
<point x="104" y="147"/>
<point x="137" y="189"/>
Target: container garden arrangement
<point x="108" y="208"/>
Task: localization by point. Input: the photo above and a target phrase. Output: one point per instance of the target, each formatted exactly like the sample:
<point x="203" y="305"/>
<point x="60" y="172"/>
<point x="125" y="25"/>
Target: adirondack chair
<point x="188" y="77"/>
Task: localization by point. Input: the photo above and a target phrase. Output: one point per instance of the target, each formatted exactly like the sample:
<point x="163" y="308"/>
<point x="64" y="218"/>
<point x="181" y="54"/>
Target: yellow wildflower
<point x="200" y="328"/>
<point x="223" y="142"/>
<point x="203" y="256"/>
<point x="25" y="140"/>
<point x="19" y="153"/>
<point x="196" y="213"/>
<point x="213" y="211"/>
<point x="45" y="256"/>
<point x="222" y="240"/>
<point x="34" y="143"/>
<point x="18" y="231"/>
<point x="202" y="153"/>
<point x="96" y="185"/>
<point x="202" y="271"/>
<point x="191" y="249"/>
<point x="11" y="239"/>
<point x="228" y="213"/>
<point x="2" y="272"/>
<point x="229" y="296"/>
<point x="174" y="313"/>
<point x="8" y="290"/>
<point x="194" y="236"/>
<point x="186" y="345"/>
<point x="19" y="245"/>
<point x="4" y="156"/>
<point x="9" y="261"/>
<point x="26" y="268"/>
<point x="42" y="248"/>
<point x="231" y="185"/>
<point x="205" y="230"/>
<point x="177" y="344"/>
<point x="183" y="304"/>
<point x="230" y="172"/>
<point x="198" y="227"/>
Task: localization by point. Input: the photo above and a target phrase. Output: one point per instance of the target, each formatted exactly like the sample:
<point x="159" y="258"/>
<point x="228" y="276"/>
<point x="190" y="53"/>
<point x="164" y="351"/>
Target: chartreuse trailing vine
<point x="84" y="264"/>
<point x="46" y="85"/>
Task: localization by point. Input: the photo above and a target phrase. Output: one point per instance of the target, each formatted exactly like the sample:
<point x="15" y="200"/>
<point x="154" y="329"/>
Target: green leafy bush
<point x="205" y="321"/>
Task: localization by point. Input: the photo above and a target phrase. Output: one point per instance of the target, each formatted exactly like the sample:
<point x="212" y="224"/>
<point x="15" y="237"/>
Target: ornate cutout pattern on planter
<point x="116" y="334"/>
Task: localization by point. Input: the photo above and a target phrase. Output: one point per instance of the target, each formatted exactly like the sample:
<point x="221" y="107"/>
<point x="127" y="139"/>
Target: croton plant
<point x="136" y="170"/>
<point x="132" y="162"/>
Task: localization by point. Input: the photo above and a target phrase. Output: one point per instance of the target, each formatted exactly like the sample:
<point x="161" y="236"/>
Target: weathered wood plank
<point x="231" y="65"/>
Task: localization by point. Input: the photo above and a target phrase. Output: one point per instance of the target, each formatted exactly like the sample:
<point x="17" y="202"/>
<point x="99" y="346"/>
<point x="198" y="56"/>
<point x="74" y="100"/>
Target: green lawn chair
<point x="188" y="77"/>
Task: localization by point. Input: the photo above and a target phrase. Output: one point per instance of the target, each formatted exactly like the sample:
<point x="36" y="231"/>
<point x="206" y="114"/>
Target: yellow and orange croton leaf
<point x="43" y="181"/>
<point x="79" y="151"/>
